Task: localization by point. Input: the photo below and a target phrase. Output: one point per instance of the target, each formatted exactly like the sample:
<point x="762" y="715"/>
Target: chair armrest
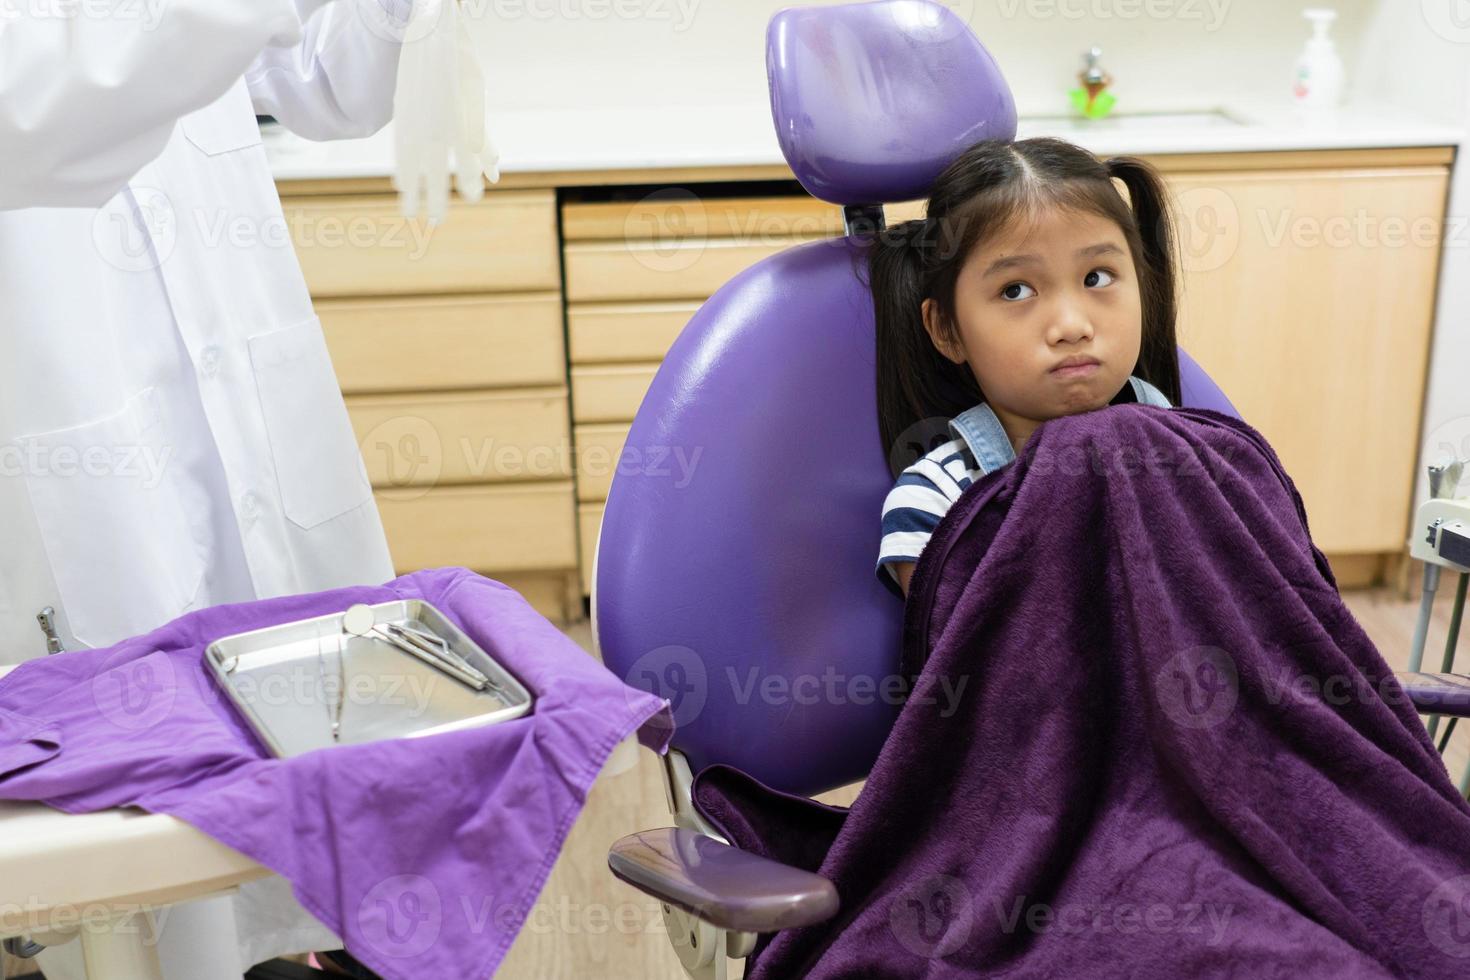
<point x="725" y="886"/>
<point x="1438" y="694"/>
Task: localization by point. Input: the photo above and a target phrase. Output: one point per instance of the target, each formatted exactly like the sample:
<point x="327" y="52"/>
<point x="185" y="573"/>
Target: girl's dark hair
<point x="975" y="197"/>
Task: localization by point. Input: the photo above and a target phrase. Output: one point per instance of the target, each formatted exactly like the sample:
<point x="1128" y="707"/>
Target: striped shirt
<point x="925" y="491"/>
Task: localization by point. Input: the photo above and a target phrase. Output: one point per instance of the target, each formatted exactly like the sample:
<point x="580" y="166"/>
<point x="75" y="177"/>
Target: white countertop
<point x="654" y="138"/>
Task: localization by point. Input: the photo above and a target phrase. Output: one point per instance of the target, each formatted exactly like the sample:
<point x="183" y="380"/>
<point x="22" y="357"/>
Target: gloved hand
<point x="439" y="107"/>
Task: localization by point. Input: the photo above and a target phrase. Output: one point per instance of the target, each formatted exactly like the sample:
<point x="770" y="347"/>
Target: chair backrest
<point x="735" y="568"/>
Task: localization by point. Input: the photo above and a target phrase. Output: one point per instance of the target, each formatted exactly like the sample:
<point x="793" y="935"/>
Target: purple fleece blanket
<point x="1154" y="743"/>
<point x="425" y="854"/>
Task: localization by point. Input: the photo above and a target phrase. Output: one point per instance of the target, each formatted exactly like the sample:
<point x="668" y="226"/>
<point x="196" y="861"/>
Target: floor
<point x="586" y="924"/>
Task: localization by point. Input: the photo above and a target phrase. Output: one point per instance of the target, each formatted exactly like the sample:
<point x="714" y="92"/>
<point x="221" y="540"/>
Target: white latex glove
<point x="474" y="153"/>
<point x="439" y="107"/>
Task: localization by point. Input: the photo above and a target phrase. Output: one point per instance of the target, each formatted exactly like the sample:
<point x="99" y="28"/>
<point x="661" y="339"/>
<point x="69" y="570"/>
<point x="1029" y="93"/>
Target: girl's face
<point x="1062" y="286"/>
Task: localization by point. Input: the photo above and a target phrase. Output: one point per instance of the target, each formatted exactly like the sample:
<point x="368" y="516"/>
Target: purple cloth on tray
<point x="1173" y="752"/>
<point x="424" y="854"/>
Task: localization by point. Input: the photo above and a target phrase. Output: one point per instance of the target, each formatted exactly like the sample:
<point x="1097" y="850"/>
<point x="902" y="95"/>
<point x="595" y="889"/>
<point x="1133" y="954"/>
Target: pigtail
<point x="1158" y="356"/>
<point x="915" y="381"/>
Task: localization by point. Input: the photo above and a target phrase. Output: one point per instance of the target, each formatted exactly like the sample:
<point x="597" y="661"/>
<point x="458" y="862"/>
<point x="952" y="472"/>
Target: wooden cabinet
<point x="443" y="343"/>
<point x="609" y="392"/>
<point x="432" y="438"/>
<point x="361" y="245"/>
<point x="602" y="333"/>
<point x="500" y="528"/>
<point x="1308" y="296"/>
<point x="449" y="345"/>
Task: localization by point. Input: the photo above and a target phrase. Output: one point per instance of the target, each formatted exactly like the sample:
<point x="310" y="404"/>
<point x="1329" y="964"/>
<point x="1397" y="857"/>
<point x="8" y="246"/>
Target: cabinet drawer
<point x="556" y="594"/>
<point x="434" y="343"/>
<point x="362" y="246"/>
<point x="688" y="269"/>
<point x="675" y="213"/>
<point x="499" y="528"/>
<point x="601" y="332"/>
<point x="470" y="437"/>
<point x="609" y="392"/>
<point x="598" y="449"/>
<point x="589" y="522"/>
<point x="906" y="211"/>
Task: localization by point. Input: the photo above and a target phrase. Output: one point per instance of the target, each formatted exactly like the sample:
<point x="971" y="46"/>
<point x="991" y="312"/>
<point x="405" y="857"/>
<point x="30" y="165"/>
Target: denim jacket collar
<point x="982" y="432"/>
<point x="986" y="437"/>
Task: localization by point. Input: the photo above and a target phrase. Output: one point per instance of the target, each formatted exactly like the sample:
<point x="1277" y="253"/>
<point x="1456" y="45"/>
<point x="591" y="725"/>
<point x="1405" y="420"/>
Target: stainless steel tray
<point x="284" y="681"/>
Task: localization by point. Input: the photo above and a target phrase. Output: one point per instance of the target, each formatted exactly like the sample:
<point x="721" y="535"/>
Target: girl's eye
<point x="1090" y="280"/>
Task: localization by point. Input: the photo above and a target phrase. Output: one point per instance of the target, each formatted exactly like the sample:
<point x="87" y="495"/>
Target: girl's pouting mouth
<point x="1076" y="366"/>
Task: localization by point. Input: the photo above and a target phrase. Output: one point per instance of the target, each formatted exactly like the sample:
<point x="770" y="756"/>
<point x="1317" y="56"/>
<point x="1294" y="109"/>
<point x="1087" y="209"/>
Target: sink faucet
<point x="1094" y="78"/>
<point x="1092" y="99"/>
<point x="47" y="618"/>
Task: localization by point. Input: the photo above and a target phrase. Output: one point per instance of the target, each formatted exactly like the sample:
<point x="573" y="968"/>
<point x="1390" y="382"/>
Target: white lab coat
<point x="171" y="432"/>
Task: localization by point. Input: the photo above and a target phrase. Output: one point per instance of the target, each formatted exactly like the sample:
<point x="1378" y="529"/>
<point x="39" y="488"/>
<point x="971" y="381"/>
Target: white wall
<point x="1186" y="54"/>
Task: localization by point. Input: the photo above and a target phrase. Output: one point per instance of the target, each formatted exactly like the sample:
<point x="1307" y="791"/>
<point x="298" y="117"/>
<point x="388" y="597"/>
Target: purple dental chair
<point x="772" y="384"/>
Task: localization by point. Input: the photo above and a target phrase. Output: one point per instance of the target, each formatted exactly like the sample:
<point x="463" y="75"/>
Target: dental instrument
<point x="334" y="709"/>
<point x="439" y="647"/>
<point x="359" y="621"/>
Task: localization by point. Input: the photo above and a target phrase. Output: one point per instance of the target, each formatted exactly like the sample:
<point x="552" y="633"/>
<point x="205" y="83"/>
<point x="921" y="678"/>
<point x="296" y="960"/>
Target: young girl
<point x="1031" y="290"/>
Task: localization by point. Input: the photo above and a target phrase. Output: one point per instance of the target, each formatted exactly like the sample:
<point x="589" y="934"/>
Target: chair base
<point x="703" y="950"/>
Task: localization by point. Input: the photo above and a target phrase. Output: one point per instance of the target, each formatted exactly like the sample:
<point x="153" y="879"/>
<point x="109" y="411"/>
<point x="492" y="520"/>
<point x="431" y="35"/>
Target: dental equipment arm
<point x="87" y="100"/>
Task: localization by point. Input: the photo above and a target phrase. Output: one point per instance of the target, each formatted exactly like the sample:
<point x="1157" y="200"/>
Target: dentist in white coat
<point x="171" y="432"/>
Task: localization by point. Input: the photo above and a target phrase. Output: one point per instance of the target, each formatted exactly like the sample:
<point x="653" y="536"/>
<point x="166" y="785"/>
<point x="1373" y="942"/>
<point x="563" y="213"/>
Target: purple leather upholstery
<point x="743" y="589"/>
<point x="722" y="885"/>
<point x="908" y="71"/>
<point x="739" y="594"/>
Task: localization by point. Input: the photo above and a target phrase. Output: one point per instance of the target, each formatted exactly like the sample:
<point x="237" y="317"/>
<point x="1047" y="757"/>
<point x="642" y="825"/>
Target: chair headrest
<point x="872" y="101"/>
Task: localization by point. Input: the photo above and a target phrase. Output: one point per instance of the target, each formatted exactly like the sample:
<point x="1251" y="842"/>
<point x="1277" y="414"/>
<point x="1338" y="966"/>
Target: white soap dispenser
<point x="1318" y="89"/>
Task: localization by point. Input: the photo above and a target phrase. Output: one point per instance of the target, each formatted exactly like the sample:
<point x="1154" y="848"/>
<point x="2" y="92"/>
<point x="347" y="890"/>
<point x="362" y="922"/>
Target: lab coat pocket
<point x="113" y="523"/>
<point x="318" y="465"/>
<point x="225" y="125"/>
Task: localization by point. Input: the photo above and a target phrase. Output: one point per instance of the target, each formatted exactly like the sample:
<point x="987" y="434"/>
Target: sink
<point x="1209" y="119"/>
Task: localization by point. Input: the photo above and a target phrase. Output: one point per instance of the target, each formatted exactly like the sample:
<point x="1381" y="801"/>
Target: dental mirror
<point x="358" y="620"/>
